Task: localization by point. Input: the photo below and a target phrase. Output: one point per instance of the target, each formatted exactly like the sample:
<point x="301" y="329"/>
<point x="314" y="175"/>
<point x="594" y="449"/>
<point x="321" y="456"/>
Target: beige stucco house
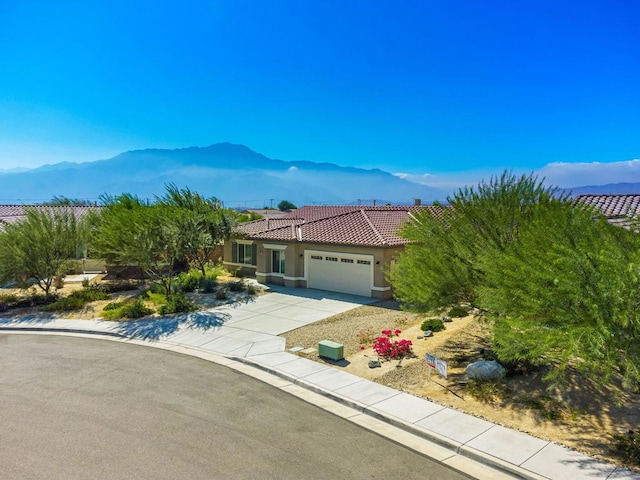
<point x="336" y="248"/>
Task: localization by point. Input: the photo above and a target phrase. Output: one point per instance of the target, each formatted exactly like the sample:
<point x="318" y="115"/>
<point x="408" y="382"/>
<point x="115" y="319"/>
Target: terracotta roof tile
<point x="14" y="213"/>
<point x="344" y="225"/>
<point x="613" y="206"/>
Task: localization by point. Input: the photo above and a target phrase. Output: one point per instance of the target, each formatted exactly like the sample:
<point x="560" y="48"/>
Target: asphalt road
<point x="76" y="408"/>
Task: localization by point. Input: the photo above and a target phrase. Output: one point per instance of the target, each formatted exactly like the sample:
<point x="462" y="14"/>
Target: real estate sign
<point x="439" y="365"/>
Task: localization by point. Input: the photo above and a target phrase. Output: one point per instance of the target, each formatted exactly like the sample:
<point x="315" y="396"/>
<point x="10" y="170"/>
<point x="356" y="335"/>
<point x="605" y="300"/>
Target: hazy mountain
<point x="609" y="189"/>
<point x="233" y="173"/>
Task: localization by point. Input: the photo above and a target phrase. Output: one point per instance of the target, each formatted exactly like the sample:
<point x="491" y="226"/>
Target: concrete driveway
<point x="251" y="328"/>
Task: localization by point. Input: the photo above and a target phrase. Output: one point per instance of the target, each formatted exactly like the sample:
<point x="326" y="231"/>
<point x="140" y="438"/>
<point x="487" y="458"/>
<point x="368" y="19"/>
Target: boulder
<point x="485" y="370"/>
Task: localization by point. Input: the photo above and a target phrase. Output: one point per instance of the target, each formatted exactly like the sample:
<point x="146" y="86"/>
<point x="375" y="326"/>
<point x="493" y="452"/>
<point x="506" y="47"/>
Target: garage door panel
<point x="340" y="273"/>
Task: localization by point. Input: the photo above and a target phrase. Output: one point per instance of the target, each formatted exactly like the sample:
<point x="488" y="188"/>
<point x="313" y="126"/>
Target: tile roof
<point x="14" y="213"/>
<point x="343" y="225"/>
<point x="613" y="206"/>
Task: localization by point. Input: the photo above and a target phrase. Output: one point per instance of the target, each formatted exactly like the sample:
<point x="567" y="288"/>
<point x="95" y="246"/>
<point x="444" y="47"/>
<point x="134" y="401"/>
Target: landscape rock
<point x="485" y="370"/>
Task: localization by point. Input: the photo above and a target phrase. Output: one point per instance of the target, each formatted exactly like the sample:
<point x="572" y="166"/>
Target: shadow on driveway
<point x="157" y="328"/>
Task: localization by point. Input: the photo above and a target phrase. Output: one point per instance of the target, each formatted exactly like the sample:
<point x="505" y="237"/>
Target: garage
<point x="340" y="272"/>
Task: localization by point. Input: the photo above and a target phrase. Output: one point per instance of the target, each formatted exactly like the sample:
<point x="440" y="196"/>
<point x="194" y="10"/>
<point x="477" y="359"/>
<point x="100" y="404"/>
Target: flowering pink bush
<point x="390" y="350"/>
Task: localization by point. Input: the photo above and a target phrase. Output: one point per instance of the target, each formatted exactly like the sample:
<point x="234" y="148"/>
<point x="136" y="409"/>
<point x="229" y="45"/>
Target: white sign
<point x="441" y="368"/>
<point x="439" y="365"/>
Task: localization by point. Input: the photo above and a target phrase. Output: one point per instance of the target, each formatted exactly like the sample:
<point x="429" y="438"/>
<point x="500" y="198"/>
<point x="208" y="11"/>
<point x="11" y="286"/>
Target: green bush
<point x="238" y="286"/>
<point x="123" y="286"/>
<point x="113" y="306"/>
<point x="189" y="281"/>
<point x="208" y="284"/>
<point x="221" y="294"/>
<point x="77" y="300"/>
<point x="433" y="324"/>
<point x="252" y="289"/>
<point x="177" y="303"/>
<point x="132" y="309"/>
<point x="458" y="311"/>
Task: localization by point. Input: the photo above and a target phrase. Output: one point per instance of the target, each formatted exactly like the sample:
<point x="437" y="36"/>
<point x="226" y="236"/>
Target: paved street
<point x="81" y="408"/>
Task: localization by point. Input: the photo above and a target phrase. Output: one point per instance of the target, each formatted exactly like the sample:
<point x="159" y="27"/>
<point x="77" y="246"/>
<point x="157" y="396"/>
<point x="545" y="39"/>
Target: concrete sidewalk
<point x="247" y="333"/>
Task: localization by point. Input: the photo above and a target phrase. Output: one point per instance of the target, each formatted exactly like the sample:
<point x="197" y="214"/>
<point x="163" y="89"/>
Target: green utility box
<point x="331" y="350"/>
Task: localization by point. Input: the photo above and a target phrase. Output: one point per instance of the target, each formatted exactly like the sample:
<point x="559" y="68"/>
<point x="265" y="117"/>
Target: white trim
<point x="240" y="264"/>
<point x="269" y="246"/>
<point x="295" y="278"/>
<point x="244" y="242"/>
<point x="271" y="274"/>
<point x="381" y="289"/>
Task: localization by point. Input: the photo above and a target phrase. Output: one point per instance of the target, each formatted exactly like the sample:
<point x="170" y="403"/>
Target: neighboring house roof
<point x="617" y="208"/>
<point x="266" y="213"/>
<point x="340" y="225"/>
<point x="14" y="213"/>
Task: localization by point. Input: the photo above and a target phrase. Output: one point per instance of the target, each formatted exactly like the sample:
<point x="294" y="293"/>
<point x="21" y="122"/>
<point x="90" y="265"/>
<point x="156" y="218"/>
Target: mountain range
<point x="232" y="173"/>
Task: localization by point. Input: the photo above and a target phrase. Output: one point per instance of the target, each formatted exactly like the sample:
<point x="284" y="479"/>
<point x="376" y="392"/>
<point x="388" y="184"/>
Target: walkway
<point x="247" y="333"/>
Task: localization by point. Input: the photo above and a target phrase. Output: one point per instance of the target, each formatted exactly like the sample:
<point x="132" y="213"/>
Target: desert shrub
<point x="222" y="294"/>
<point x="77" y="300"/>
<point x="58" y="281"/>
<point x="458" y="311"/>
<point x="214" y="271"/>
<point x="66" y="304"/>
<point x="252" y="289"/>
<point x="627" y="447"/>
<point x="365" y="336"/>
<point x="8" y="298"/>
<point x="208" y="285"/>
<point x="35" y="300"/>
<point x="112" y="306"/>
<point x="238" y="286"/>
<point x="177" y="303"/>
<point x="189" y="281"/>
<point x="487" y="391"/>
<point x="433" y="324"/>
<point x="132" y="309"/>
<point x="91" y="294"/>
<point x="123" y="286"/>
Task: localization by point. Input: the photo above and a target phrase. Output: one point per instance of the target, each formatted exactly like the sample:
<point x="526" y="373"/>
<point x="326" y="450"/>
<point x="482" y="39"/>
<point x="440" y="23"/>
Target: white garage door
<point x="340" y="272"/>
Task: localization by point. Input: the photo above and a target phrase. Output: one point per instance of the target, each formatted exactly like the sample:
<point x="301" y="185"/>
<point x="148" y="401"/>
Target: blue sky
<point x="419" y="87"/>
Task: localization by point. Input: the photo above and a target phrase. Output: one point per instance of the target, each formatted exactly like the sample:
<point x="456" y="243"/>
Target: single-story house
<point x="337" y="248"/>
<point x="15" y="213"/>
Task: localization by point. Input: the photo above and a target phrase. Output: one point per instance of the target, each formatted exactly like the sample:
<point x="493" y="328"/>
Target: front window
<point x="277" y="261"/>
<point x="244" y="253"/>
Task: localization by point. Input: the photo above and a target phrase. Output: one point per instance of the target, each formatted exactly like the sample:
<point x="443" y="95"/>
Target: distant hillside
<point x="233" y="173"/>
<point x="609" y="189"/>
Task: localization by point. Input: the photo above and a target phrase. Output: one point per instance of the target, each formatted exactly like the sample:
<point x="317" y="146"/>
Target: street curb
<point x="455" y="447"/>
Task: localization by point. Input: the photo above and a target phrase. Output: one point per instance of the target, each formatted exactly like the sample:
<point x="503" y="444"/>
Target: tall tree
<point x="40" y="245"/>
<point x="204" y="223"/>
<point x="130" y="231"/>
<point x="440" y="266"/>
<point x="558" y="281"/>
<point x="286" y="205"/>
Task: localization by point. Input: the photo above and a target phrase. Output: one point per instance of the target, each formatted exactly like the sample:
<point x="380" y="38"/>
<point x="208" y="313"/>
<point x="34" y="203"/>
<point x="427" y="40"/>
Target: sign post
<point x="433" y="362"/>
